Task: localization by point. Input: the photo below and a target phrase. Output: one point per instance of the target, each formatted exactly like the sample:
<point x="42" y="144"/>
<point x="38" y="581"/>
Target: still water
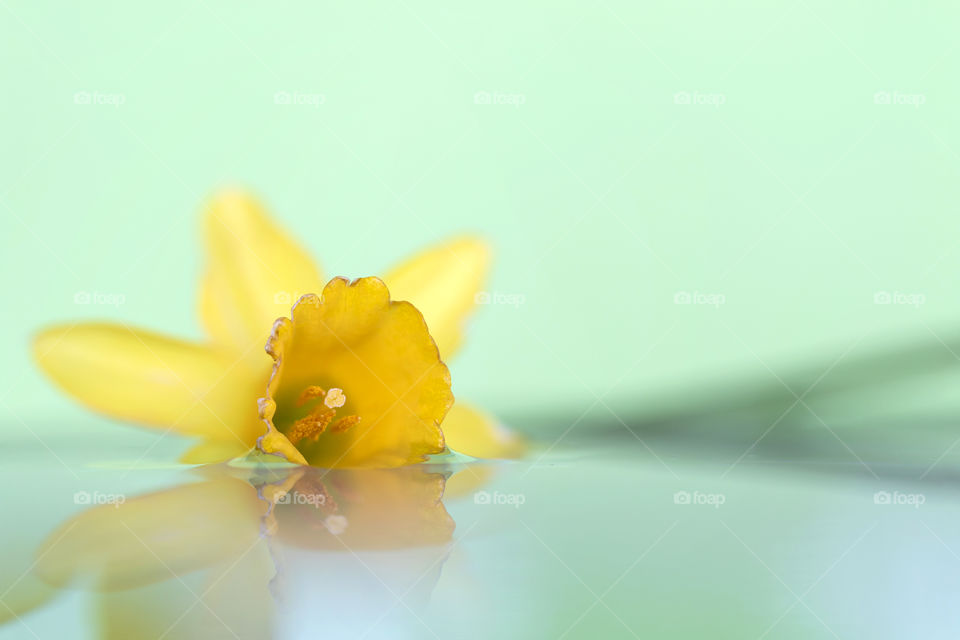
<point x="590" y="539"/>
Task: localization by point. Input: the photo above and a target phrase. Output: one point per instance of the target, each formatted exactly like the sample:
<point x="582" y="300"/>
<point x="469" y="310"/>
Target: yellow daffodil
<point x="356" y="377"/>
<point x="383" y="390"/>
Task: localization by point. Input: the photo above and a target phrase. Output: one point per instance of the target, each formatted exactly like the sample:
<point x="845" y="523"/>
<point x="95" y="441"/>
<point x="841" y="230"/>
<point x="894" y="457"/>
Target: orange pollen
<point x="311" y="425"/>
<point x="344" y="423"/>
<point x="321" y="416"/>
<point x="310" y="393"/>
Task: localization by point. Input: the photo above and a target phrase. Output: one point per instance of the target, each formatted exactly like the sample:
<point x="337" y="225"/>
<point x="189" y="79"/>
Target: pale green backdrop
<point x="790" y="159"/>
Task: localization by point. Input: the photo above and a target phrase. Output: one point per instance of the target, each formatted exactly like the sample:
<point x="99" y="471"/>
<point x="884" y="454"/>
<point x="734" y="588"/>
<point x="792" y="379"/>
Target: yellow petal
<point x="150" y="379"/>
<point x="213" y="451"/>
<point x="228" y="600"/>
<point x="273" y="442"/>
<point x="469" y="431"/>
<point x="255" y="271"/>
<point x="151" y="611"/>
<point x="466" y="481"/>
<point x="382" y="358"/>
<point x="443" y="283"/>
<point x="22" y="591"/>
<point x="154" y="537"/>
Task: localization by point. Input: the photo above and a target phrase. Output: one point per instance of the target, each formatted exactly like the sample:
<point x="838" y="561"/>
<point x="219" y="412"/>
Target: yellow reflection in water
<point x="213" y="556"/>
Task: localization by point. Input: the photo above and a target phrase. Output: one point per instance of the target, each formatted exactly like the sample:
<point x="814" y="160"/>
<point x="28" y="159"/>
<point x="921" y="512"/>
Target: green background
<point x="797" y="199"/>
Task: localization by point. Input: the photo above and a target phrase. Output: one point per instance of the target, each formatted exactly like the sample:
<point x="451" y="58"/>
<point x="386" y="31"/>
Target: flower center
<point x="320" y="419"/>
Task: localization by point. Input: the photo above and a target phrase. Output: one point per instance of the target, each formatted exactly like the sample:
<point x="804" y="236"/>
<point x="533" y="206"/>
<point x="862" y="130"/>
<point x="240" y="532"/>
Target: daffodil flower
<point x="356" y="378"/>
<point x="391" y="394"/>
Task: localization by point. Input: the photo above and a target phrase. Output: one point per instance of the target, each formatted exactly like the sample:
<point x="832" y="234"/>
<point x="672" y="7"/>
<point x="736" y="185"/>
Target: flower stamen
<point x="344" y="423"/>
<point x="312" y="425"/>
<point x="315" y="423"/>
<point x="335" y="398"/>
<point x="310" y="393"/>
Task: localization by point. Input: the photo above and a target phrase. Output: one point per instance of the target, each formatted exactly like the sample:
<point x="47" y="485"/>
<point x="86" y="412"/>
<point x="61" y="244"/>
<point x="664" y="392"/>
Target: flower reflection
<point x="152" y="537"/>
<point x="244" y="551"/>
<point x="361" y="509"/>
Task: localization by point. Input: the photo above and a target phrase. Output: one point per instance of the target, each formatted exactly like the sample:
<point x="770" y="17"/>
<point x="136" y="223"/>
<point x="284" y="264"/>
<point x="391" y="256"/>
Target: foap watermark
<point x="714" y="300"/>
<point x="899" y="298"/>
<point x="899" y="98"/>
<point x="699" y="98"/>
<point x="715" y="500"/>
<point x="295" y="497"/>
<point x="512" y="499"/>
<point x="499" y="98"/>
<point x="896" y="498"/>
<point x="299" y="99"/>
<point x="99" y="98"/>
<point x="99" y="298"/>
<point x="98" y="498"/>
<point x="496" y="297"/>
<point x="286" y="297"/>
